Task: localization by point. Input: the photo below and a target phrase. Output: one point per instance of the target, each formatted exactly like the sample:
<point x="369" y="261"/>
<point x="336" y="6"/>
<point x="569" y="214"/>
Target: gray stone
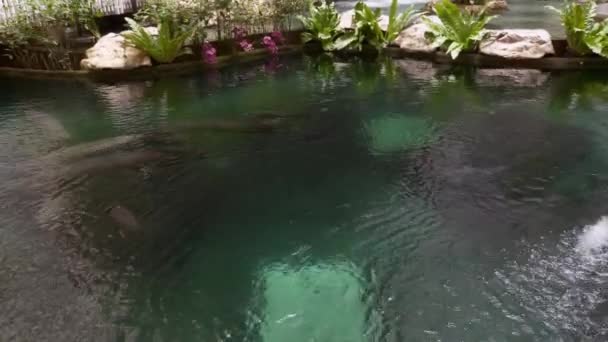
<point x="517" y="43"/>
<point x="413" y="38"/>
<point x="601" y="13"/>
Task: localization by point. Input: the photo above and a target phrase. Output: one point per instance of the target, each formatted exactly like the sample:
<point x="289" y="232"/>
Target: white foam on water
<point x="594" y="239"/>
<point x="561" y="284"/>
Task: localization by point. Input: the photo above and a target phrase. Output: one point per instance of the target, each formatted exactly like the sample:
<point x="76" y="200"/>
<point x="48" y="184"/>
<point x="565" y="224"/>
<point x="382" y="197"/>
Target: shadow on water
<point x="330" y="200"/>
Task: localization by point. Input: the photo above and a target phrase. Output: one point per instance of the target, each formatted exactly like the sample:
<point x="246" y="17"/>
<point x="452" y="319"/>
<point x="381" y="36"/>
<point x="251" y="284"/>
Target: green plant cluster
<point x="368" y="30"/>
<point x="584" y="35"/>
<point x="323" y="25"/>
<point x="163" y="47"/>
<point x="44" y="22"/>
<point x="187" y="22"/>
<point x="457" y="30"/>
<point x="67" y="13"/>
<point x="178" y="23"/>
<point x="183" y="16"/>
<point x="18" y="31"/>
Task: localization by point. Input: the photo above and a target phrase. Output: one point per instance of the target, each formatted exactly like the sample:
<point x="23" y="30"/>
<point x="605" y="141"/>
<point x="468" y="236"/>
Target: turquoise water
<point x="318" y="201"/>
<point x="526" y="14"/>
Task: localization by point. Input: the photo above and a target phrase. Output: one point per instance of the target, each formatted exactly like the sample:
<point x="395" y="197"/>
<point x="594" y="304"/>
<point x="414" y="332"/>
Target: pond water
<point x="306" y="200"/>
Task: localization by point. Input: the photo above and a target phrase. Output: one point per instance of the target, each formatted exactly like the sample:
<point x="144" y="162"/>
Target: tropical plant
<point x="397" y="22"/>
<point x="596" y="38"/>
<point x="457" y="30"/>
<point x="86" y="14"/>
<point x="369" y="31"/>
<point x="322" y="25"/>
<point x="81" y="14"/>
<point x="367" y="28"/>
<point x="164" y="47"/>
<point x="18" y="31"/>
<point x="183" y="15"/>
<point x="583" y="34"/>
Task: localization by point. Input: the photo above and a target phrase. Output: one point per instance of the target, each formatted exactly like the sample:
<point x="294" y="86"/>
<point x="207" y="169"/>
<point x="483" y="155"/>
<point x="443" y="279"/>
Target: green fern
<point x="596" y="39"/>
<point x="164" y="48"/>
<point x="458" y="30"/>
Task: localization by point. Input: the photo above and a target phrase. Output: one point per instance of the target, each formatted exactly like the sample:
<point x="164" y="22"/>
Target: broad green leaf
<point x="344" y="41"/>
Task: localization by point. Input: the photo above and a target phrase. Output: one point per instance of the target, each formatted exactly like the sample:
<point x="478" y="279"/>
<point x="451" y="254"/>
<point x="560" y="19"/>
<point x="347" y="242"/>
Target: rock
<point x="413" y="39"/>
<point x="517" y="43"/>
<point x="601" y="12"/>
<point x="152" y="31"/>
<point x="346" y="20"/>
<point x="112" y="52"/>
<point x="497" y="6"/>
<point x="491" y="7"/>
<point x="428" y="7"/>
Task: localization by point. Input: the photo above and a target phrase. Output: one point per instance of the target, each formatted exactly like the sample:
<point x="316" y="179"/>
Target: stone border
<point x="145" y="73"/>
<point x="485" y="61"/>
<point x="189" y="67"/>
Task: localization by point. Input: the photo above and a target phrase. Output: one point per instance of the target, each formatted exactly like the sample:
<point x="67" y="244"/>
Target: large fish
<point x="124" y="217"/>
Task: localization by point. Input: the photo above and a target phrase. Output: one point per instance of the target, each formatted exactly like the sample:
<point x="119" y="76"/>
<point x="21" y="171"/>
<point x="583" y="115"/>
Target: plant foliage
<point x="369" y="31"/>
<point x="18" y="31"/>
<point x="397" y="22"/>
<point x="183" y="15"/>
<point x="583" y="34"/>
<point x="457" y="30"/>
<point x="164" y="47"/>
<point x="367" y="27"/>
<point x="322" y="25"/>
<point x="66" y="13"/>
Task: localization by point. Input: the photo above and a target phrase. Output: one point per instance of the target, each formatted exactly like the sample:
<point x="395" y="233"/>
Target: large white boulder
<point x="413" y="38"/>
<point x="112" y="52"/>
<point x="517" y="43"/>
